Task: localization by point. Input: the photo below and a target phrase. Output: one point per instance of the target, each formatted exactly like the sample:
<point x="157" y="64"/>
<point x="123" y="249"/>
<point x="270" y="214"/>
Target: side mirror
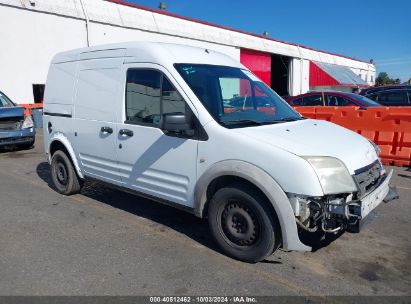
<point x="175" y="122"/>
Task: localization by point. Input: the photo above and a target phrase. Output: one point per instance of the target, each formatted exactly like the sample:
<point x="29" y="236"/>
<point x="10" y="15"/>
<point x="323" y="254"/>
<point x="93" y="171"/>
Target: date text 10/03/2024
<point x="199" y="299"/>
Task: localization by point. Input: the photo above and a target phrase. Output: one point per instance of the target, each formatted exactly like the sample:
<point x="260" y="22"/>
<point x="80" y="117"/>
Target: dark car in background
<point x="332" y="99"/>
<point x="16" y="129"/>
<point x="393" y="97"/>
<point x="372" y="90"/>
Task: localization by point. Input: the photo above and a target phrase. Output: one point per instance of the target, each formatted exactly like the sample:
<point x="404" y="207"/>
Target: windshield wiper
<point x="243" y="121"/>
<point x="262" y="122"/>
<point x="284" y="119"/>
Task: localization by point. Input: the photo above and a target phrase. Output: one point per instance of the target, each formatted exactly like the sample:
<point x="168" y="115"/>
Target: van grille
<point x="369" y="177"/>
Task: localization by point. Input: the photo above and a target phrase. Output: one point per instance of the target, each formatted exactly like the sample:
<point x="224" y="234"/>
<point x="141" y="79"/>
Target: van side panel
<point x="98" y="90"/>
<point x="96" y="94"/>
<point x="58" y="102"/>
<point x="60" y="83"/>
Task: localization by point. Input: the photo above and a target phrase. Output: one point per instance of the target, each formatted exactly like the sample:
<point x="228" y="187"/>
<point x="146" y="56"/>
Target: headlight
<point x="333" y="175"/>
<point x="28" y="123"/>
<point x="376" y="148"/>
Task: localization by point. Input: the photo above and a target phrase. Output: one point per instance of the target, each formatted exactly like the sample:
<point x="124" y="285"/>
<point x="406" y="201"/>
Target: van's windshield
<point x="235" y="97"/>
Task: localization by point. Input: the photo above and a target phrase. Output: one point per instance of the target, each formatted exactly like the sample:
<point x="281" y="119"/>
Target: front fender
<point x="58" y="136"/>
<point x="266" y="184"/>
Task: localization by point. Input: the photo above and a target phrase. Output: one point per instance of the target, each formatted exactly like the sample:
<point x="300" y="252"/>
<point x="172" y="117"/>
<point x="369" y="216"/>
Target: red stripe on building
<point x="320" y="78"/>
<point x="257" y="62"/>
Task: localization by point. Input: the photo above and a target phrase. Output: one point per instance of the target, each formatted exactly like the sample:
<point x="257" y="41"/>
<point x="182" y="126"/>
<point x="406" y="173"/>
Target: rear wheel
<point x="242" y="224"/>
<point x="64" y="176"/>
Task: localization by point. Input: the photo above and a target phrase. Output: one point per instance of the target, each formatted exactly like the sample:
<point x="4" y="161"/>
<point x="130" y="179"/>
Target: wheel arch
<point x="236" y="170"/>
<point x="61" y="142"/>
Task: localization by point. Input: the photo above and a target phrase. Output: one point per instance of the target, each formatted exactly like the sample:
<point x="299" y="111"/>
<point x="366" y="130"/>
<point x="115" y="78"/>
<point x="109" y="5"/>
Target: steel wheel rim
<point x="61" y="173"/>
<point x="240" y="224"/>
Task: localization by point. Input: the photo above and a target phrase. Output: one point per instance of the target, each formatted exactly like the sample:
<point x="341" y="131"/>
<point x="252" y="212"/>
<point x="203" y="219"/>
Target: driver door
<point x="152" y="161"/>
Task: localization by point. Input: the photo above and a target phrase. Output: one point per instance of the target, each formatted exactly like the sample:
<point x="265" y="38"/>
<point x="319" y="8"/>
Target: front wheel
<point x="242" y="223"/>
<point x="64" y="176"/>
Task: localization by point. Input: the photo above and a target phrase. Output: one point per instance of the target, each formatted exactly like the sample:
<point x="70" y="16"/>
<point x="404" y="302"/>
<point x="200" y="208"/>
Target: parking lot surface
<point x="106" y="242"/>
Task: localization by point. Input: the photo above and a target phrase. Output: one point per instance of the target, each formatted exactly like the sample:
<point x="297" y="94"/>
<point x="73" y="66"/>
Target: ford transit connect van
<point x="195" y="129"/>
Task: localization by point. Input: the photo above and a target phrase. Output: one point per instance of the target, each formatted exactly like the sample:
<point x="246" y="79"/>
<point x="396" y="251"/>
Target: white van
<point x="195" y="129"/>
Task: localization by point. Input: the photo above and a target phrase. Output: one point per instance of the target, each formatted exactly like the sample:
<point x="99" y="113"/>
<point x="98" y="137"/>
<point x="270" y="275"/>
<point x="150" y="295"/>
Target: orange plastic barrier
<point x="29" y="106"/>
<point x="389" y="128"/>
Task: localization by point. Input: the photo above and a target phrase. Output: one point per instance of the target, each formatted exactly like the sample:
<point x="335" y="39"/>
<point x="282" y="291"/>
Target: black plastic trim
<point x="366" y="168"/>
<point x="57" y="114"/>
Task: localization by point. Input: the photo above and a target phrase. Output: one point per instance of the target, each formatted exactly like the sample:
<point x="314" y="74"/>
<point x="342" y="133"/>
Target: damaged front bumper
<point x="383" y="193"/>
<point x="341" y="212"/>
<point x="362" y="208"/>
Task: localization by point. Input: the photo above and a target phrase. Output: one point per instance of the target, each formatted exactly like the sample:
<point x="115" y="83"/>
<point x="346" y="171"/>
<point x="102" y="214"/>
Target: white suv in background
<point x="194" y="128"/>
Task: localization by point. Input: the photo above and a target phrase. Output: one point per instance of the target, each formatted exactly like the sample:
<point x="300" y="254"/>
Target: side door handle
<point x="106" y="130"/>
<point x="126" y="132"/>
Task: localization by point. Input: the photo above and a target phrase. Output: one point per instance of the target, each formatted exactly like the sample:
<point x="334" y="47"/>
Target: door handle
<point x="106" y="130"/>
<point x="126" y="132"/>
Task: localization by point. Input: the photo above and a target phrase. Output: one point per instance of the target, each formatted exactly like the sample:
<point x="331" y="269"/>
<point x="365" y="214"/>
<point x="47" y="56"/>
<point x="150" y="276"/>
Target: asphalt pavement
<point x="107" y="242"/>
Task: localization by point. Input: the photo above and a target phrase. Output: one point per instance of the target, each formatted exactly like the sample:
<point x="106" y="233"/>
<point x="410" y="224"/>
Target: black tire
<point x="242" y="224"/>
<point x="64" y="176"/>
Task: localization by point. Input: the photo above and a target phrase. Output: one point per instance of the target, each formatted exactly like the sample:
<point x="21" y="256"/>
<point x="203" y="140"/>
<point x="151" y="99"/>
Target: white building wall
<point x="34" y="33"/>
<point x="28" y="43"/>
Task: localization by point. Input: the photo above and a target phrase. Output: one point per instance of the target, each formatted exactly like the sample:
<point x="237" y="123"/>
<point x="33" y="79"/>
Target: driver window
<point x="143" y="97"/>
<point x="173" y="102"/>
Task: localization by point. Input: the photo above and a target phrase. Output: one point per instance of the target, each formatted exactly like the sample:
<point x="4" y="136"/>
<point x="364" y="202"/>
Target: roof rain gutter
<point x="87" y="22"/>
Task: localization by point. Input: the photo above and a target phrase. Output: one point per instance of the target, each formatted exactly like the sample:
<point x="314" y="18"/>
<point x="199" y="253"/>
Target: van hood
<point x="310" y="137"/>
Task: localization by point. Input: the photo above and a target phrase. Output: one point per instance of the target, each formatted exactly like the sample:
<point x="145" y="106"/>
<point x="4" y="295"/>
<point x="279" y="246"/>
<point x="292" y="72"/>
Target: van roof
<point x="154" y="52"/>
